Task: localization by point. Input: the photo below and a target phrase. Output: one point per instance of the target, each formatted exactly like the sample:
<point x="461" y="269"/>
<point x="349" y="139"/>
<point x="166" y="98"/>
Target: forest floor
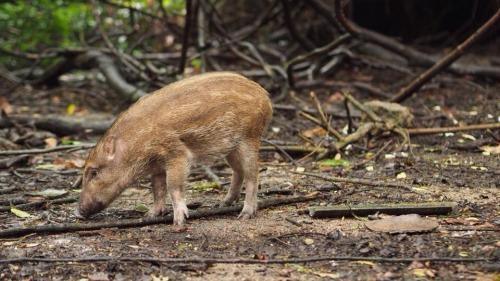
<point x="442" y="167"/>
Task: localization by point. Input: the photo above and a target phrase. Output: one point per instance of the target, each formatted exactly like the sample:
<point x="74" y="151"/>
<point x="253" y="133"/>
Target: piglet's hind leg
<point x="177" y="172"/>
<point x="250" y="159"/>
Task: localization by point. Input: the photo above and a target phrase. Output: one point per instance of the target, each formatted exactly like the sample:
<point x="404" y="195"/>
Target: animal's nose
<point x="89" y="208"/>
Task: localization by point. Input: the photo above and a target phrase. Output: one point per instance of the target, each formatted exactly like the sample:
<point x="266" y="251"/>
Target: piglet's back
<point x="215" y="109"/>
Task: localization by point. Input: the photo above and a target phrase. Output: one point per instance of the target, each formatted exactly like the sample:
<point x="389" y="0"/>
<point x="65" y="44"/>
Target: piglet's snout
<point x="87" y="208"/>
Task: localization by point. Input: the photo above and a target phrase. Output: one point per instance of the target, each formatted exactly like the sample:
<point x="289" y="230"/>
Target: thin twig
<point x="323" y="117"/>
<point x="283" y="152"/>
<point x="426" y="131"/>
<point x="241" y="260"/>
<point x="318" y="51"/>
<point x="369" y="182"/>
<point x="361" y="107"/>
<point x="45" y="150"/>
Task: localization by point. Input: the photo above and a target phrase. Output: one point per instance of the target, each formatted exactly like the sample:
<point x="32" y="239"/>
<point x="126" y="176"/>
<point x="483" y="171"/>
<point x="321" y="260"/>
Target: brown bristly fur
<point x="220" y="114"/>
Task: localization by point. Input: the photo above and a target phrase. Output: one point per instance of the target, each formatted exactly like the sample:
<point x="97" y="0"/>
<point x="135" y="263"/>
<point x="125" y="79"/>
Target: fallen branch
<point x="70" y="227"/>
<point x="414" y="56"/>
<point x="291" y="107"/>
<point x="27" y="206"/>
<point x="425" y="209"/>
<point x="426" y="131"/>
<point x="369" y="182"/>
<point x="427" y="75"/>
<point x="360" y="86"/>
<point x="46" y="150"/>
<point x="241" y="260"/>
<point x="295" y="148"/>
<point x="59" y="125"/>
<point x="316" y="52"/>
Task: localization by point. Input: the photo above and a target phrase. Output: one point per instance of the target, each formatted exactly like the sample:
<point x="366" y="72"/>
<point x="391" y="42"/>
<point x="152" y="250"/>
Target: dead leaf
<point x="366" y="263"/>
<point x="308" y="241"/>
<point x="52" y="167"/>
<point x="49" y="193"/>
<point x="75" y="163"/>
<point x="99" y="276"/>
<point x="5" y="106"/>
<point x="491" y="149"/>
<point x="335" y="98"/>
<point x="50" y="142"/>
<point x="314" y="132"/>
<point x="300" y="169"/>
<point x="402" y="224"/>
<point x="20" y="213"/>
<point x="401" y="175"/>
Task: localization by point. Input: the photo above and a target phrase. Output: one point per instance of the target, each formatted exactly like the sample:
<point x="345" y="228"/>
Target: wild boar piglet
<point x="201" y="118"/>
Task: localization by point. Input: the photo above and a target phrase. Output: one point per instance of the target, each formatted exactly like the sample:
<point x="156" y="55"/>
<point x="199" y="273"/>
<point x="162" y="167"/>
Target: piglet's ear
<point x="108" y="147"/>
<point x="113" y="148"/>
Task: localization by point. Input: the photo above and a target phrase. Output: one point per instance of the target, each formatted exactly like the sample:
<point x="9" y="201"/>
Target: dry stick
<point x="412" y="55"/>
<point x="295" y="148"/>
<point x="374" y="117"/>
<point x="369" y="182"/>
<point x="70" y="227"/>
<point x="343" y="210"/>
<point x="45" y="150"/>
<point x="307" y="45"/>
<point x="241" y="260"/>
<point x="447" y="60"/>
<point x="290" y="158"/>
<point x="324" y="120"/>
<point x="185" y="37"/>
<point x="318" y="51"/>
<point x="30" y="205"/>
<point x="361" y="86"/>
<point x="426" y="131"/>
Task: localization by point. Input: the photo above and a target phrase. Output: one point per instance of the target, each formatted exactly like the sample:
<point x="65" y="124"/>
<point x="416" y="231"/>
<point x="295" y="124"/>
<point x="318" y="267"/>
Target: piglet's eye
<point x="92" y="173"/>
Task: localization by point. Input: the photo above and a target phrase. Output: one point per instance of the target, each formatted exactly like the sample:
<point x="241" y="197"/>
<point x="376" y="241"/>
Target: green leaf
<point x="335" y="163"/>
<point x="141" y="208"/>
<point x="49" y="193"/>
<point x="70" y="142"/>
<point x="196" y="63"/>
<point x="20" y="213"/>
<point x="204" y="186"/>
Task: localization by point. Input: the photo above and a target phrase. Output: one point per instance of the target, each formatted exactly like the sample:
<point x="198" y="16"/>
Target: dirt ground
<point x="441" y="167"/>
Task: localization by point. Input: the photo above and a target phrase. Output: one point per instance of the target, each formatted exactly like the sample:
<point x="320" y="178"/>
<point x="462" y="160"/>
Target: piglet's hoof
<point x="157" y="212"/>
<point x="247" y="213"/>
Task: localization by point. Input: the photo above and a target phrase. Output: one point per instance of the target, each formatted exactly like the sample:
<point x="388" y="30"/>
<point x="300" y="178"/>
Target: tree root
<point x="71" y="227"/>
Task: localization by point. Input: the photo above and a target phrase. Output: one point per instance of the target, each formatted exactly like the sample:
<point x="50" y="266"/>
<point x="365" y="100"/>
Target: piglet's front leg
<point x="159" y="194"/>
<point x="177" y="172"/>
